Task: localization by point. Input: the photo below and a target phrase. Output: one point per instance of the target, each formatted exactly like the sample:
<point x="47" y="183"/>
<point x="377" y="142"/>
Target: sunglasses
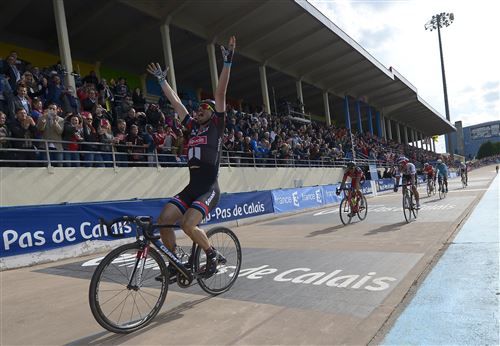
<point x="206" y="106"/>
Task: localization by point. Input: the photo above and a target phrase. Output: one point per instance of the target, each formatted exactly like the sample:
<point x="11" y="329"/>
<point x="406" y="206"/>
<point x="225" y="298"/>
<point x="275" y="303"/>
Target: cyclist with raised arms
<point x="357" y="177"/>
<point x="409" y="173"/>
<point x="201" y="195"/>
<point x="442" y="172"/>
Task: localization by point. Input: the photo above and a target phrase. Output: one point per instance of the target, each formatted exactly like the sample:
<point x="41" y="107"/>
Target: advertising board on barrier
<point x="366" y="187"/>
<point x="286" y="200"/>
<point x="330" y="197"/>
<point x="39" y="228"/>
<point x="385" y="184"/>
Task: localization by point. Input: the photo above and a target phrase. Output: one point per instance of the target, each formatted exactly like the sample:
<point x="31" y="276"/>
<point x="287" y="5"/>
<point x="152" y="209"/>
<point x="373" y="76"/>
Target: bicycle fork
<point x="140" y="263"/>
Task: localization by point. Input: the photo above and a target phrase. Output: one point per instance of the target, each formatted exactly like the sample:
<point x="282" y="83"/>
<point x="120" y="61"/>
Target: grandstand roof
<point x="292" y="38"/>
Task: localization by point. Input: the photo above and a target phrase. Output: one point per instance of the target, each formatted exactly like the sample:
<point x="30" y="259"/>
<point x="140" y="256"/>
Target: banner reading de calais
<point x="39" y="228"/>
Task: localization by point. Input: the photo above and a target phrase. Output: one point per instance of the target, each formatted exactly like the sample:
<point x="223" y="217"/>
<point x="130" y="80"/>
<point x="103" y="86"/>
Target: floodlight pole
<point x="435" y="23"/>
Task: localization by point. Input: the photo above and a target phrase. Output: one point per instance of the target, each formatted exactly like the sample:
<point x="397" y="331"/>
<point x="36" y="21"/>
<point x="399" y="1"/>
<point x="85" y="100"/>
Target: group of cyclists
<point x="407" y="171"/>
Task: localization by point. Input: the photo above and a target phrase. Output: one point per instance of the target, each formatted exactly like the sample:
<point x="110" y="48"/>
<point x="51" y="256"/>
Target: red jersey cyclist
<point x="409" y="173"/>
<point x="201" y="195"/>
<point x="430" y="173"/>
<point x="357" y="178"/>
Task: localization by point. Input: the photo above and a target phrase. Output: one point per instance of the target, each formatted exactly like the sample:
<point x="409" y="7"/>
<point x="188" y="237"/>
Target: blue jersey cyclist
<point x="442" y="173"/>
<point x="206" y="129"/>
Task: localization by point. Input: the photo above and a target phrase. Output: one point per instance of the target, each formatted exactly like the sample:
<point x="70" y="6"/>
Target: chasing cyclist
<point x="430" y="174"/>
<point x="201" y="195"/>
<point x="409" y="173"/>
<point x="357" y="178"/>
<point x="442" y="173"/>
<point x="463" y="172"/>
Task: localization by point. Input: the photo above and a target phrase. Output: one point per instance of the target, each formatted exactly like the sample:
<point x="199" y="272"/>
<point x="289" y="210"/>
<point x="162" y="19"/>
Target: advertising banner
<point x="286" y="200"/>
<point x="39" y="228"/>
<point x="373" y="172"/>
<point x="385" y="184"/>
<point x="329" y="194"/>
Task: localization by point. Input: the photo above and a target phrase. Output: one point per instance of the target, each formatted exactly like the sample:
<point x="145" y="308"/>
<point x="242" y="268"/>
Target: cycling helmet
<point x="208" y="105"/>
<point x="426" y="164"/>
<point x="403" y="160"/>
<point x="350" y="164"/>
<point x="439" y="161"/>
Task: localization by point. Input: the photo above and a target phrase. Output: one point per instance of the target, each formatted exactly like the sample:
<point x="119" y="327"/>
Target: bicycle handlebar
<point x="144" y="222"/>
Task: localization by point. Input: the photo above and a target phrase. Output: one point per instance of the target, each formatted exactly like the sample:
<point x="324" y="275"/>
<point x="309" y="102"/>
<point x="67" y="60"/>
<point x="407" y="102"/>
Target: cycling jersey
<point x="442" y="170"/>
<point x="429" y="171"/>
<point x="356" y="174"/>
<point x="204" y="150"/>
<point x="409" y="169"/>
<point x="204" y="144"/>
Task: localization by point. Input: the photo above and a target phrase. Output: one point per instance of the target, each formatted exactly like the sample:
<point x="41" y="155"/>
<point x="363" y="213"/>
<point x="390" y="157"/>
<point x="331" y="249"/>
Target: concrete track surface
<point x="306" y="280"/>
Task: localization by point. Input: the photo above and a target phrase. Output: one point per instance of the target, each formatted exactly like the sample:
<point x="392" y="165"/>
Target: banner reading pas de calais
<point x="40" y="228"/>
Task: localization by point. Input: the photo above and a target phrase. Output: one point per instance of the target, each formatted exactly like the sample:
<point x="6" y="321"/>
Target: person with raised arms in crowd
<point x="201" y="195"/>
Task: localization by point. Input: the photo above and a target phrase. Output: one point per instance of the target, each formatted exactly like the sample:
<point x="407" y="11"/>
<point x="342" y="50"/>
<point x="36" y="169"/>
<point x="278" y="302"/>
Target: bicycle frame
<point x="349" y="192"/>
<point x="144" y="234"/>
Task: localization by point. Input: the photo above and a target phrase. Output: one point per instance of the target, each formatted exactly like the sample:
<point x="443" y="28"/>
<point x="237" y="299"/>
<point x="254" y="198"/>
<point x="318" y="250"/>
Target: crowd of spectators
<point x="101" y="118"/>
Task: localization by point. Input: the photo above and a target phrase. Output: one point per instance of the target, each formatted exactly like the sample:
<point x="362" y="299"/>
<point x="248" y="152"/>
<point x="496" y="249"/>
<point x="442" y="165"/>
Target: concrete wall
<point x="36" y="186"/>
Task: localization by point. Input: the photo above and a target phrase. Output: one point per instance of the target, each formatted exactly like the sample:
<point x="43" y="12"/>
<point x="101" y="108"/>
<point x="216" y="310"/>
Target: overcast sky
<point x="393" y="32"/>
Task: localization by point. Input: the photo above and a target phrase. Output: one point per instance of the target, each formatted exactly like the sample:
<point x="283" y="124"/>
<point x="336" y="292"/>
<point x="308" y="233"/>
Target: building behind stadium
<point x="467" y="140"/>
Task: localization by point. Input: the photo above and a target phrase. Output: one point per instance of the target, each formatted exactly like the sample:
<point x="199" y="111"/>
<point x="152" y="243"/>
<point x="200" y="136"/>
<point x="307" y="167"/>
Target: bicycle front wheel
<point x="407" y="207"/>
<point x="362" y="208"/>
<point x="228" y="246"/>
<point x="441" y="192"/>
<point x="345" y="211"/>
<point x="124" y="295"/>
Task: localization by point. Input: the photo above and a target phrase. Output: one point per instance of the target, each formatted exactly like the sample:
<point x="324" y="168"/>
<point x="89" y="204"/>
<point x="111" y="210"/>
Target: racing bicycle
<point x="130" y="284"/>
<point x="409" y="202"/>
<point x="464" y="180"/>
<point x="442" y="191"/>
<point x="431" y="187"/>
<point x="352" y="204"/>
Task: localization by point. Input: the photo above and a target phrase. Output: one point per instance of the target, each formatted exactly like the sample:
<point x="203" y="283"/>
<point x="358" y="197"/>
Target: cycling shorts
<point x="409" y="178"/>
<point x="202" y="197"/>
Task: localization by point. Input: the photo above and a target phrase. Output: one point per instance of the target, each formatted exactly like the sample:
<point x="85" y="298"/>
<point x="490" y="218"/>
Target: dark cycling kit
<point x="204" y="150"/>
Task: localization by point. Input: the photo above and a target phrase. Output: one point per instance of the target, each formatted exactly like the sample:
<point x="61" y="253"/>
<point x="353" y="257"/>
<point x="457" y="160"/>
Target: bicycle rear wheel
<point x="407" y="207"/>
<point x="228" y="246"/>
<point x="429" y="189"/>
<point x="124" y="295"/>
<point x="362" y="208"/>
<point x="413" y="205"/>
<point x="345" y="211"/>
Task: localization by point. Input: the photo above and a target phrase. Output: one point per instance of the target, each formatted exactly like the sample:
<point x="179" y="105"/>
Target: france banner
<point x="286" y="200"/>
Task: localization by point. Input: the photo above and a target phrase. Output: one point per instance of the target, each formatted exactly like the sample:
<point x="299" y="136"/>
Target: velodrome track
<point x="375" y="267"/>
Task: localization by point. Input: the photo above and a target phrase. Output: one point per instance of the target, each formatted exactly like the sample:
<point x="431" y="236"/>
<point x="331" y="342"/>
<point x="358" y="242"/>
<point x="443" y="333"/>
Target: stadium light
<point x="439" y="21"/>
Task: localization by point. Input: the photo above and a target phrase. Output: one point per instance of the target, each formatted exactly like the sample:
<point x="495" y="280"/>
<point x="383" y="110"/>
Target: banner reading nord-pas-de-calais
<point x="39" y="228"/>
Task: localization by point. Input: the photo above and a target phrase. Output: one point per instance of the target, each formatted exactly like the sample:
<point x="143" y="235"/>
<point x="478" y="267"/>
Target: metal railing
<point x="31" y="152"/>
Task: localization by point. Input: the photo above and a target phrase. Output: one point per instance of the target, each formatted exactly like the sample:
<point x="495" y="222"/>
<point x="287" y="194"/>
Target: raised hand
<point x="155" y="70"/>
<point x="227" y="53"/>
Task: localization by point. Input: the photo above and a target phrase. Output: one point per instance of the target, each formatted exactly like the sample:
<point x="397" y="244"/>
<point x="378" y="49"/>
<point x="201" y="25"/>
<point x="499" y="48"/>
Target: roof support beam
<point x="291" y="43"/>
<point x="271" y="30"/>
